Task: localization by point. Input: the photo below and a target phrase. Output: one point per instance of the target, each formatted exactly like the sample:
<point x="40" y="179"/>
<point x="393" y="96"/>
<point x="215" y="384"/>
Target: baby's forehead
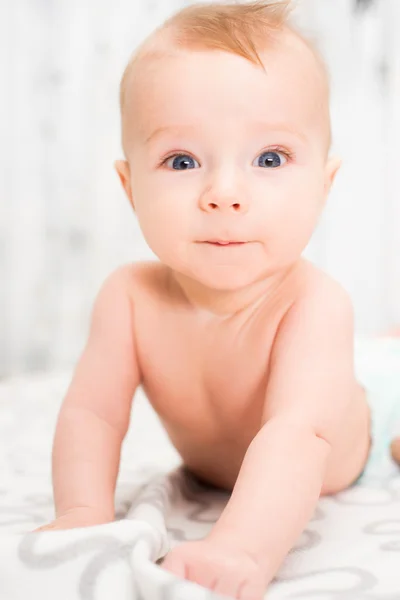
<point x="300" y="52"/>
<point x="306" y="73"/>
<point x="288" y="51"/>
<point x="287" y="42"/>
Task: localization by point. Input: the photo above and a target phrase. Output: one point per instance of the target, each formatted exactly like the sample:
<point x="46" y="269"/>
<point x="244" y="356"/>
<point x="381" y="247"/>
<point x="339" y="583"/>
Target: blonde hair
<point x="238" y="28"/>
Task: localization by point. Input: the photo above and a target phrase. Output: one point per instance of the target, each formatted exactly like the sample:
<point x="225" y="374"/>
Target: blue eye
<point x="270" y="160"/>
<point x="181" y="162"/>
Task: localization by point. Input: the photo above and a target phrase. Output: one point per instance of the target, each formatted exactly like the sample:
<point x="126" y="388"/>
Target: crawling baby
<point x="243" y="347"/>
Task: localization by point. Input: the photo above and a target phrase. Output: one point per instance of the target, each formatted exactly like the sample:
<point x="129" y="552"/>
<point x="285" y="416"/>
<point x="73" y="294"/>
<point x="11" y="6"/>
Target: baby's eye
<point x="181" y="162"/>
<point x="270" y="159"/>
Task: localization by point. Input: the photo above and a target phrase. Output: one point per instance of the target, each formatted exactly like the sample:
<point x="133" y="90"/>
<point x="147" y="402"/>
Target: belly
<point x="215" y="454"/>
<point x="214" y="460"/>
<point x="211" y="436"/>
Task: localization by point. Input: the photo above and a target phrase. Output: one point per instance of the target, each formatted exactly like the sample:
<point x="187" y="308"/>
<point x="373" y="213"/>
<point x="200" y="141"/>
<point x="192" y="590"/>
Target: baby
<point x="243" y="347"/>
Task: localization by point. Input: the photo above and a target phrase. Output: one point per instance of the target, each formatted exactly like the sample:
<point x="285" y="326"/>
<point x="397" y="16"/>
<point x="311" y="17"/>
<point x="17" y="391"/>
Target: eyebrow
<point x="256" y="126"/>
<point x="169" y="129"/>
<point x="279" y="128"/>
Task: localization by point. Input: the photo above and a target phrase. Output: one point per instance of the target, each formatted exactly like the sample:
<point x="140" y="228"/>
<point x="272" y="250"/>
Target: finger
<point x="45" y="527"/>
<point x="202" y="575"/>
<point x="252" y="591"/>
<point x="228" y="584"/>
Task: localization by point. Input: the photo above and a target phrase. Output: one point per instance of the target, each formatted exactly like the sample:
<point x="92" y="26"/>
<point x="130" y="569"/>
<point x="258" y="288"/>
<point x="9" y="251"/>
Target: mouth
<point x="224" y="242"/>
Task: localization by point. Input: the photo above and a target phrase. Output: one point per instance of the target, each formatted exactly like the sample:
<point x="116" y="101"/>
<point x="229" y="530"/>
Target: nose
<point x="228" y="198"/>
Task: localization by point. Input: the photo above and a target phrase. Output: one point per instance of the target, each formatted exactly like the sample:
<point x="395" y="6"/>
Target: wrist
<point x="92" y="513"/>
<point x="228" y="538"/>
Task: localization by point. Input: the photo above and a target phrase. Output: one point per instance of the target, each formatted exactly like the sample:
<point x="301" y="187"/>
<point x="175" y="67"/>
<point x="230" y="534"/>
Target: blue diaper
<point x="377" y="363"/>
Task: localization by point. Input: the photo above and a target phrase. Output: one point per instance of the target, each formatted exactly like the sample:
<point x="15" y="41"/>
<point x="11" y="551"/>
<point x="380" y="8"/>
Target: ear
<point x="332" y="167"/>
<point x="123" y="171"/>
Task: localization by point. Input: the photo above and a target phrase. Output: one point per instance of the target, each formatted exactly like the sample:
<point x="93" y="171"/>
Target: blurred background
<point x="64" y="220"/>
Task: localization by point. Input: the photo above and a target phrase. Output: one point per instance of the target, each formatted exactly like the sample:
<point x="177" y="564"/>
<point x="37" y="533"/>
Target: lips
<point x="224" y="242"/>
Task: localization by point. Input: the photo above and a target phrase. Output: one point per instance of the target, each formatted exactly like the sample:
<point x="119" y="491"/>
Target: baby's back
<point x="207" y="376"/>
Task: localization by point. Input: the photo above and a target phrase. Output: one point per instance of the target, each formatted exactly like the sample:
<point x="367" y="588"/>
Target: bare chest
<point x="206" y="383"/>
<point x="205" y="377"/>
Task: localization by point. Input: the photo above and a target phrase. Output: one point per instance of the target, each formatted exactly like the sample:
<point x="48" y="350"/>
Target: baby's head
<point x="226" y="135"/>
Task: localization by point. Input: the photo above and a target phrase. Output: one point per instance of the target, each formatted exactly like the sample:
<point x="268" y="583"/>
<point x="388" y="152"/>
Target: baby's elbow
<point x="293" y="429"/>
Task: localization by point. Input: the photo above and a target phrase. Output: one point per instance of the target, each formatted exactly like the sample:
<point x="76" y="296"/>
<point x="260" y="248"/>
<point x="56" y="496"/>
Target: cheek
<point x="294" y="213"/>
<point x="164" y="221"/>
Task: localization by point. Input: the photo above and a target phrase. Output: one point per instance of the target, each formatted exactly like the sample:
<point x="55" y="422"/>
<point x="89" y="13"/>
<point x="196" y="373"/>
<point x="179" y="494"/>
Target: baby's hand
<point x="221" y="568"/>
<point x="77" y="517"/>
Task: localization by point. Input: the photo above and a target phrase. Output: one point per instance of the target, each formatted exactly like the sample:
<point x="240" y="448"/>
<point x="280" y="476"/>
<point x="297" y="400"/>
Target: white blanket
<point x="350" y="550"/>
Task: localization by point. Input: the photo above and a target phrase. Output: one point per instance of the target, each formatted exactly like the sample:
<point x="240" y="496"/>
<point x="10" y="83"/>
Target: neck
<point x="227" y="303"/>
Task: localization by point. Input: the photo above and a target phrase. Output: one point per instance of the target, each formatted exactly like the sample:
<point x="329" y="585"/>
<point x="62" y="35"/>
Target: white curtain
<point x="64" y="220"/>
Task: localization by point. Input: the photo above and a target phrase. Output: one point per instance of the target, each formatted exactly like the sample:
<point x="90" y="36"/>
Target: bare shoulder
<point x="136" y="277"/>
<point x="119" y="293"/>
<point x="321" y="310"/>
<point x="119" y="297"/>
<point x="322" y="298"/>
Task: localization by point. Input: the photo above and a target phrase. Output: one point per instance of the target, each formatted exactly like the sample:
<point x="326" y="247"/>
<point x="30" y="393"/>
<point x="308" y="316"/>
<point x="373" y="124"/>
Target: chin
<point x="224" y="278"/>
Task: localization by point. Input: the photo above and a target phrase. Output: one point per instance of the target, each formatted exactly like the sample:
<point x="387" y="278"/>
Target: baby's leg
<point x="395" y="450"/>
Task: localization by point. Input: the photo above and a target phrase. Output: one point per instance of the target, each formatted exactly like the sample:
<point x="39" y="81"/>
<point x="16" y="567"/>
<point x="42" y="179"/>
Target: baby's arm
<point x="94" y="416"/>
<point x="310" y="386"/>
